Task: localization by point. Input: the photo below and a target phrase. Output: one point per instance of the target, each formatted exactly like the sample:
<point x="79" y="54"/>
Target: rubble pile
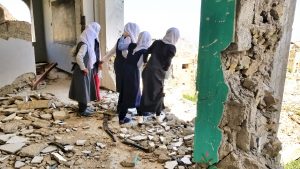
<point x="37" y="130"/>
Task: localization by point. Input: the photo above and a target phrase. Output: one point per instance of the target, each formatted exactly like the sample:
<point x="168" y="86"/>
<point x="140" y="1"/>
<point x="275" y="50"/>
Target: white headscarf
<point x="88" y="37"/>
<point x="133" y="30"/>
<point x="144" y="41"/>
<point x="171" y="36"/>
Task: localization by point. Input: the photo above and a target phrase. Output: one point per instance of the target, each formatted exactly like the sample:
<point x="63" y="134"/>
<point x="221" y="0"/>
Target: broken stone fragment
<point x="189" y="137"/>
<point x="46" y="116"/>
<point x="269" y="99"/>
<point x="35" y="104"/>
<point x="60" y="159"/>
<point x="5" y="137"/>
<point x="138" y="138"/>
<point x="124" y="130"/>
<point x="37" y="160"/>
<point x="68" y="148"/>
<point x="101" y="145"/>
<point x="163" y="158"/>
<point x="86" y="152"/>
<point x="12" y="148"/>
<point x="49" y="149"/>
<point x="19" y="164"/>
<point x="11" y="127"/>
<point x="9" y="118"/>
<point x="80" y="142"/>
<point x="126" y="163"/>
<point x="32" y="150"/>
<point x="41" y="123"/>
<point x="186" y="160"/>
<point x="60" y="115"/>
<point x="171" y="164"/>
<point x="17" y="139"/>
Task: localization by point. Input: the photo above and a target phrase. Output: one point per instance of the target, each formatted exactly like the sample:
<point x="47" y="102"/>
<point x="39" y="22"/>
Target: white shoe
<point x="160" y="119"/>
<point x="140" y="119"/>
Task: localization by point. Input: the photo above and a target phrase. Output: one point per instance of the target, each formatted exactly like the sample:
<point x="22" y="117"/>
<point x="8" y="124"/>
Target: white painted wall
<point x="17" y="58"/>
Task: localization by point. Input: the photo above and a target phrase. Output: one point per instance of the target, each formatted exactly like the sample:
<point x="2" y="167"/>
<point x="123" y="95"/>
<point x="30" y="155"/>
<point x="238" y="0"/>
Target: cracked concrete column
<point x="111" y="14"/>
<point x="254" y="67"/>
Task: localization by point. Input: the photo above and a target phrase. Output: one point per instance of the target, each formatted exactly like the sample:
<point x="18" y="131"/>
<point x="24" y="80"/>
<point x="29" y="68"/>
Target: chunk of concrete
<point x="19" y="164"/>
<point x="60" y="159"/>
<point x="171" y="164"/>
<point x="37" y="160"/>
<point x="12" y="148"/>
<point x="60" y="115"/>
<point x="33" y="150"/>
<point x="17" y="139"/>
<point x="9" y="118"/>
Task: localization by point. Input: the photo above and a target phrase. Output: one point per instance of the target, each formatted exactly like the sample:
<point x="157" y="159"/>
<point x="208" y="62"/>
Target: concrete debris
<point x="60" y="159"/>
<point x="101" y="145"/>
<point x="49" y="149"/>
<point x="5" y="137"/>
<point x="60" y="115"/>
<point x="139" y="138"/>
<point x="19" y="164"/>
<point x="171" y="164"/>
<point x="9" y="118"/>
<point x="17" y="139"/>
<point x="35" y="104"/>
<point x="32" y="150"/>
<point x="80" y="142"/>
<point x="37" y="160"/>
<point x="12" y="148"/>
<point x="186" y="160"/>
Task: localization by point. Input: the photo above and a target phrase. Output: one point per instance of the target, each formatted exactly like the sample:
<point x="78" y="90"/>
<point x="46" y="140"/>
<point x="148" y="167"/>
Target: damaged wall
<point x="17" y="53"/>
<point x="254" y="69"/>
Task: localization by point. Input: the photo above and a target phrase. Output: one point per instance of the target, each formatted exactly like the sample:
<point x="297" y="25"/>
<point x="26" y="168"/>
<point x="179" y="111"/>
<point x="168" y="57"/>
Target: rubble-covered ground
<point x="289" y="128"/>
<point x="41" y="129"/>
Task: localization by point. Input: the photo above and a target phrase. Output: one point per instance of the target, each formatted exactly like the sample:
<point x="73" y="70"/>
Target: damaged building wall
<point x="254" y="69"/>
<point x="17" y="53"/>
<point x="59" y="52"/>
<point x="110" y="15"/>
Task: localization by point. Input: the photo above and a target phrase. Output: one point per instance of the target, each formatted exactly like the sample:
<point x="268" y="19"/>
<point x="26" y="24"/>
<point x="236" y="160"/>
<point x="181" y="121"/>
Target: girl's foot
<point x="161" y="117"/>
<point x="125" y="120"/>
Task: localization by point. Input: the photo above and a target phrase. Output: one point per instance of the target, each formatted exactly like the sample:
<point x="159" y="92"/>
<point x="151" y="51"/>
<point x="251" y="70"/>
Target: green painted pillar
<point x="216" y="34"/>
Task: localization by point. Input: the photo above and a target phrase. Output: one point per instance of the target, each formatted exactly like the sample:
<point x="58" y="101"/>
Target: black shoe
<point x="86" y="113"/>
<point x="125" y="120"/>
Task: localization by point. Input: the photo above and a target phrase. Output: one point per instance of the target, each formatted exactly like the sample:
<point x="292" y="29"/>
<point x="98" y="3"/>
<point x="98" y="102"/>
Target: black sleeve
<point x="169" y="53"/>
<point x="145" y="57"/>
<point x="149" y="50"/>
<point x="131" y="47"/>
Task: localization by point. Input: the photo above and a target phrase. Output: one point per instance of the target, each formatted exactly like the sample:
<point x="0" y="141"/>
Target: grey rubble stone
<point x="80" y="142"/>
<point x="19" y="164"/>
<point x="37" y="160"/>
<point x="186" y="160"/>
<point x="60" y="159"/>
<point x="12" y="148"/>
<point x="163" y="158"/>
<point x="171" y="164"/>
<point x="46" y="116"/>
<point x="9" y="118"/>
<point x="60" y="115"/>
<point x="49" y="149"/>
<point x="17" y="139"/>
<point x="32" y="150"/>
<point x="138" y="138"/>
<point x="5" y="137"/>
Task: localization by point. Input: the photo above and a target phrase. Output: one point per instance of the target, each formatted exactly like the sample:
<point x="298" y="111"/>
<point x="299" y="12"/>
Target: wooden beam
<point x="39" y="78"/>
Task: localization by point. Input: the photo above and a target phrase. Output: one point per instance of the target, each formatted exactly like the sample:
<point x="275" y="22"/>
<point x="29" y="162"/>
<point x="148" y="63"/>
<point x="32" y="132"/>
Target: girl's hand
<point x="85" y="71"/>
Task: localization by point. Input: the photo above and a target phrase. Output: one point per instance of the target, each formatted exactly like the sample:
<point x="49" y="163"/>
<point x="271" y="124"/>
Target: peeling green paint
<point x="216" y="34"/>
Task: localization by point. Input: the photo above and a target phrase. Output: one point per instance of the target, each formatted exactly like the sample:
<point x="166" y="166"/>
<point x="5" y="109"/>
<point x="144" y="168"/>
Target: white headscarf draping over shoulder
<point x="133" y="30"/>
<point x="88" y="37"/>
<point x="144" y="41"/>
<point x="171" y="36"/>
